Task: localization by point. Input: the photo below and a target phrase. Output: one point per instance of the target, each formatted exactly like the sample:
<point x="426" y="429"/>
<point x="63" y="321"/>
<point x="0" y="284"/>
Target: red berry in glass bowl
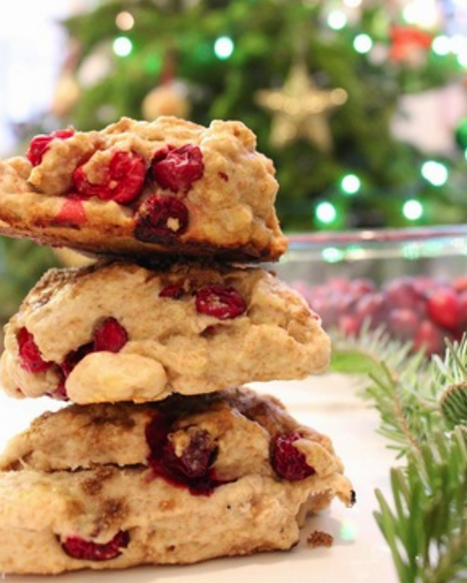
<point x="371" y="307"/>
<point x="288" y="461"/>
<point x="219" y="301"/>
<point x="29" y="354"/>
<point x="110" y="335"/>
<point x="160" y="218"/>
<point x="121" y="180"/>
<point x="403" y="292"/>
<point x="443" y="306"/>
<point x="87" y="550"/>
<point x="40" y="144"/>
<point x="177" y="168"/>
<point x="402" y="323"/>
<point x="430" y="338"/>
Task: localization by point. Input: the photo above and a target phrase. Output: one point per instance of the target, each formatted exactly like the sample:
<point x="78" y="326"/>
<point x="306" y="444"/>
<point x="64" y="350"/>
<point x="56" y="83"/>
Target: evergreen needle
<point x="425" y="524"/>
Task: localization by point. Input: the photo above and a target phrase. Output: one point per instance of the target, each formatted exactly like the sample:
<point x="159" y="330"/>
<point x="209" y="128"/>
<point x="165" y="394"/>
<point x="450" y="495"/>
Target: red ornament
<point x="407" y="42"/>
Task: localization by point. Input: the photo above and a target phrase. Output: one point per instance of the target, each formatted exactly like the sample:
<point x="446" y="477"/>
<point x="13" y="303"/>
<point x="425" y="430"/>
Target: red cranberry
<point x="161" y="217"/>
<point x="72" y="211"/>
<point x="460" y="283"/>
<point x="86" y="550"/>
<point x="404" y="293"/>
<point x="289" y="462"/>
<point x="371" y="307"/>
<point x="174" y="291"/>
<point x="73" y="357"/>
<point x="402" y="323"/>
<point x="177" y="168"/>
<point x="40" y="144"/>
<point x="193" y="469"/>
<point x="29" y="354"/>
<point x="444" y="307"/>
<point x="223" y="302"/>
<point x="110" y="335"/>
<point x="327" y="309"/>
<point x="349" y="324"/>
<point x="195" y="460"/>
<point x="463" y="303"/>
<point x="122" y="182"/>
<point x="361" y="286"/>
<point x="429" y="337"/>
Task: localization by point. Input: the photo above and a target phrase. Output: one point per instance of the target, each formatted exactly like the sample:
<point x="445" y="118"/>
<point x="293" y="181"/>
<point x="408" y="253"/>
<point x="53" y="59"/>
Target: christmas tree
<point x="326" y="86"/>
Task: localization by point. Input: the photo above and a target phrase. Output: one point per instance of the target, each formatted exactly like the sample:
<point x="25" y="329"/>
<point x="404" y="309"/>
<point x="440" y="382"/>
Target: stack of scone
<point x="161" y="454"/>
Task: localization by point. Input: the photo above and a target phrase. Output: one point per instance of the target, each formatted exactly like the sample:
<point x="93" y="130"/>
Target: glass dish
<point x="411" y="281"/>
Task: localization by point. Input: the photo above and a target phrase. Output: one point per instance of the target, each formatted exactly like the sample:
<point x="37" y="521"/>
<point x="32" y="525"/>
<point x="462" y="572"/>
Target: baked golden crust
<point x="91" y="473"/>
<point x="180" y="337"/>
<point x="230" y="208"/>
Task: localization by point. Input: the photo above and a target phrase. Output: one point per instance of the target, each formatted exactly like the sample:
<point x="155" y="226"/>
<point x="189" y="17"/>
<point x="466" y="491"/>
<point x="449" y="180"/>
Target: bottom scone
<point x="110" y="486"/>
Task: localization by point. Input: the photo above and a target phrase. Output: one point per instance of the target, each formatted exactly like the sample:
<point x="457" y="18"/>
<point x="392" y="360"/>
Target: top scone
<point x="142" y="188"/>
<point x="117" y="331"/>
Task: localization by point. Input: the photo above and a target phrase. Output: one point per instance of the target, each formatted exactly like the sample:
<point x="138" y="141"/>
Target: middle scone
<point x="120" y="331"/>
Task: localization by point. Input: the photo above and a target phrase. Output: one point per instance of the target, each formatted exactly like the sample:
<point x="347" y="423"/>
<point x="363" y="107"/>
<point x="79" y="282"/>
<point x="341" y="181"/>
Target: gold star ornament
<point x="300" y="109"/>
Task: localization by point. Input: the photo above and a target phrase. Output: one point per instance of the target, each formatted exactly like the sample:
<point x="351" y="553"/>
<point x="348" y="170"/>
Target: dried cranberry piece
<point x="195" y="460"/>
<point x="193" y="469"/>
<point x="223" y="302"/>
<point x="122" y="180"/>
<point x="174" y="291"/>
<point x="86" y="550"/>
<point x="40" y="143"/>
<point x="177" y="168"/>
<point x="110" y="335"/>
<point x="73" y="357"/>
<point x="288" y="461"/>
<point x="29" y="354"/>
<point x="72" y="211"/>
<point x="161" y="217"/>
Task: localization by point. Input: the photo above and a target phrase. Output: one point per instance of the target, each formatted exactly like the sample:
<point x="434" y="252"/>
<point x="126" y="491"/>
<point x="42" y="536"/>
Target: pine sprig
<point x="427" y="528"/>
<point x="398" y="383"/>
<point x="425" y="524"/>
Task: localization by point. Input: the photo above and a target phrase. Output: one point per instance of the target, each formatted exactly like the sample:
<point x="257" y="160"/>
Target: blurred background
<point x="361" y="104"/>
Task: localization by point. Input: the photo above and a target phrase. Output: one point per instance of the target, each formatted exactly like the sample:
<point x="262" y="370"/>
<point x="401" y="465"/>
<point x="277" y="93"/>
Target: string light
<point x="441" y="45"/>
<point x="363" y="43"/>
<point x="332" y="254"/>
<point x="435" y="172"/>
<point x="337" y="20"/>
<point x="352" y="3"/>
<point x="422" y="13"/>
<point x="351" y="184"/>
<point x="224" y="47"/>
<point x="122" y="46"/>
<point x="326" y="212"/>
<point x="124" y="21"/>
<point x="462" y="59"/>
<point x="412" y="209"/>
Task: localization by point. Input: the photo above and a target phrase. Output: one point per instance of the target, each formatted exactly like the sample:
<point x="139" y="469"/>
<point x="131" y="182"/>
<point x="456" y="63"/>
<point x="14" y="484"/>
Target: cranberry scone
<point x="118" y="331"/>
<point x="140" y="188"/>
<point x="111" y="486"/>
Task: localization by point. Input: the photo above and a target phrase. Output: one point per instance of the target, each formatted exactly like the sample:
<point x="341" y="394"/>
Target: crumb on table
<point x="318" y="538"/>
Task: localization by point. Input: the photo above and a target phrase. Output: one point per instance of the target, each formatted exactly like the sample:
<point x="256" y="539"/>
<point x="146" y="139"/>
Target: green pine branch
<point x="423" y="410"/>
